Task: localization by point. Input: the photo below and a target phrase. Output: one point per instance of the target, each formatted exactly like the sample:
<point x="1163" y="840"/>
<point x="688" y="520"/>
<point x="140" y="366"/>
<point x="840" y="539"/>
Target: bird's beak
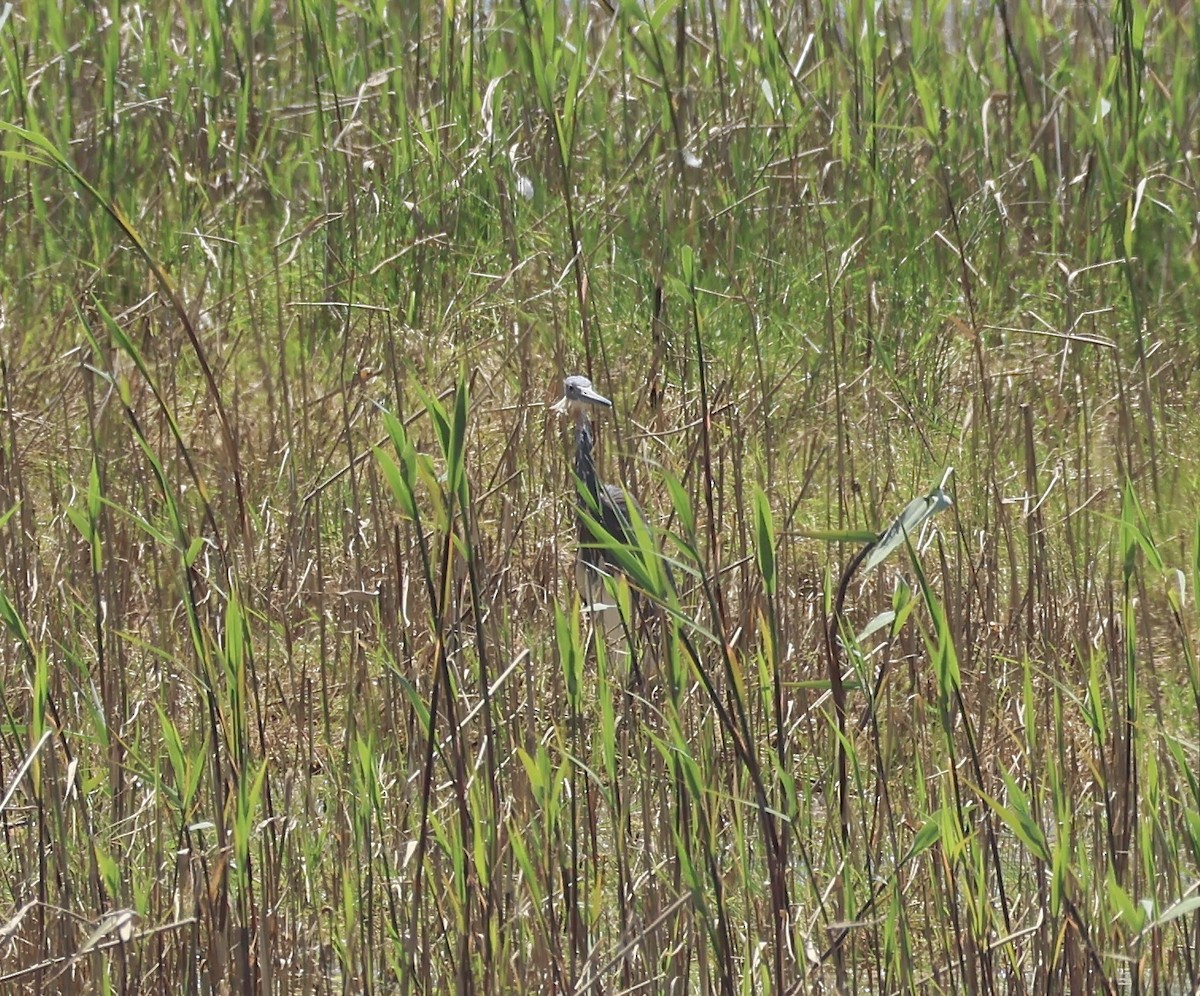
<point x="590" y="394"/>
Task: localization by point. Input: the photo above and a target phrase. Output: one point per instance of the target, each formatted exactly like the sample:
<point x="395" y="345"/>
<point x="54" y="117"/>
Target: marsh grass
<point x="298" y="695"/>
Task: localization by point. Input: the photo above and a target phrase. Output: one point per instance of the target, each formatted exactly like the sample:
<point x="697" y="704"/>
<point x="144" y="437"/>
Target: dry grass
<point x="297" y="692"/>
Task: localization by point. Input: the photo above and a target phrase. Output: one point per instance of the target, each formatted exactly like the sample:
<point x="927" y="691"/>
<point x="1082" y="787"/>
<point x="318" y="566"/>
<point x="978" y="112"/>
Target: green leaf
<point x="1019" y="819"/>
<point x="687" y="262"/>
<point x="883" y="619"/>
<point x="570" y="653"/>
<point x="925" y="838"/>
<point x="12" y="619"/>
<point x="401" y="477"/>
<point x="764" y="540"/>
<point x="1119" y="900"/>
<point x="1173" y="912"/>
<point x="193" y="551"/>
<point x="682" y="504"/>
<point x="456" y="453"/>
<point x="8" y="515"/>
<point x="903" y="604"/>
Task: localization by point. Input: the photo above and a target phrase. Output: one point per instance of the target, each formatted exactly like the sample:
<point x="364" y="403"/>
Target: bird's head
<point x="579" y="398"/>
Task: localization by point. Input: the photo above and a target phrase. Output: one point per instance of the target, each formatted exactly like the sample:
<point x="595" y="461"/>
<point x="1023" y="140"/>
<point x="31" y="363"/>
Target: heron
<point x="596" y="501"/>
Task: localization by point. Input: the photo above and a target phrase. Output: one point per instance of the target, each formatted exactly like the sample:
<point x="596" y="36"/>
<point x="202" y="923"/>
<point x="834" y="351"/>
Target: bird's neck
<point x="585" y="461"/>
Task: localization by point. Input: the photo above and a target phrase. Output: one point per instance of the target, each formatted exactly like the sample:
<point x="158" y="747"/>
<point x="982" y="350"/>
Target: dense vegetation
<point x="298" y="692"/>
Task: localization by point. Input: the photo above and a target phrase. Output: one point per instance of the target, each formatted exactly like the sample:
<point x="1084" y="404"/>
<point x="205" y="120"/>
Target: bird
<point x="606" y="504"/>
